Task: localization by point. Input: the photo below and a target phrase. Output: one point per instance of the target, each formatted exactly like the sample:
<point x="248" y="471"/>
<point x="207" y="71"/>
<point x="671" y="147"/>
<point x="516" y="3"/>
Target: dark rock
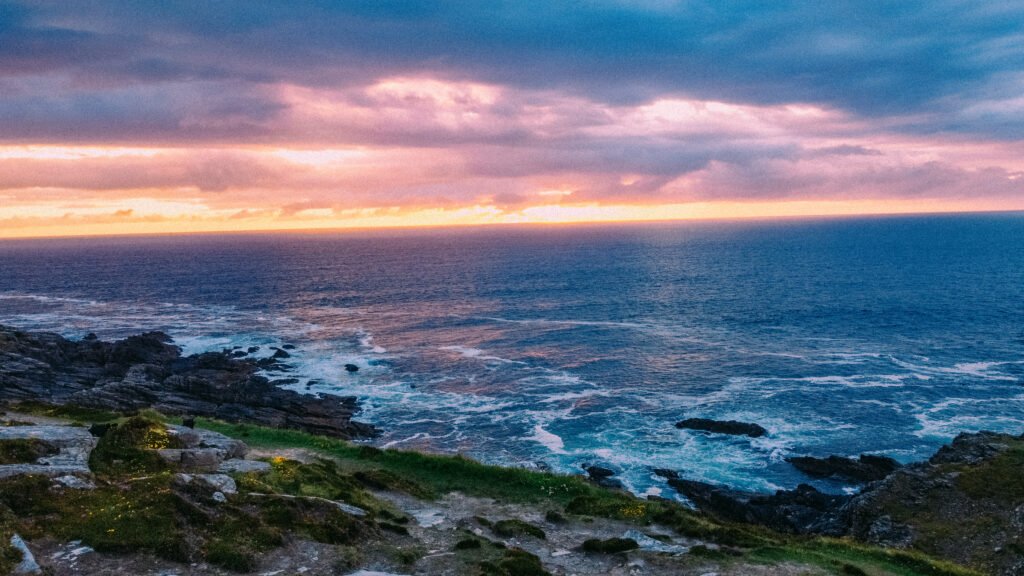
<point x="723" y="427"/>
<point x="189" y="422"/>
<point x="598" y="472"/>
<point x="252" y="349"/>
<point x="602" y="476"/>
<point x="666" y="473"/>
<point x="100" y="430"/>
<point x="288" y="346"/>
<point x="804" y="510"/>
<point x="867" y="468"/>
<point x="280" y="354"/>
<point x="147" y="371"/>
<point x="964" y="504"/>
<point x="351" y="368"/>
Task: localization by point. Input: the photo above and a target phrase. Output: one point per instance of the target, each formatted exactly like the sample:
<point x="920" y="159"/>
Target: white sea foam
<point x="478" y="354"/>
<point x="552" y="442"/>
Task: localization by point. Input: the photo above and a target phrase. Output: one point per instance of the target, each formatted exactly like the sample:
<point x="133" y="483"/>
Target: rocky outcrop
<point x="804" y="510"/>
<point x="732" y="427"/>
<point x="148" y="371"/>
<point x="966" y="504"/>
<point x="866" y="468"/>
<point x="72" y="446"/>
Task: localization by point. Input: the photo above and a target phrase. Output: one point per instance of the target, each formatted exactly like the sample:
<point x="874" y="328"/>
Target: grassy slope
<point x="426" y="476"/>
<point x="433" y="475"/>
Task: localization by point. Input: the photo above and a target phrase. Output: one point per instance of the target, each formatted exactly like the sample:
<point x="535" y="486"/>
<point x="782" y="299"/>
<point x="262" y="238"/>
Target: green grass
<point x="516" y="527"/>
<point x="152" y="514"/>
<point x="998" y="479"/>
<point x="428" y="475"/>
<point x="24" y="450"/>
<point x="841" y="556"/>
<point x="67" y="411"/>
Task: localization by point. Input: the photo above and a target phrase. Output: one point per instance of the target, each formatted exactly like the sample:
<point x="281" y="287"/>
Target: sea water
<point x="558" y="346"/>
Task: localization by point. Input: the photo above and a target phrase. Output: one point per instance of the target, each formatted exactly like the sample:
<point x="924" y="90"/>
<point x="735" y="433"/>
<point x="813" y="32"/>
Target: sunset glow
<point x="165" y="135"/>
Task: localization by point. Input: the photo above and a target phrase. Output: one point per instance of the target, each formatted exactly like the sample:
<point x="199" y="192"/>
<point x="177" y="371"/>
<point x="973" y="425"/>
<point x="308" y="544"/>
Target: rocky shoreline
<point x="148" y="371"/>
<point x="965" y="504"/>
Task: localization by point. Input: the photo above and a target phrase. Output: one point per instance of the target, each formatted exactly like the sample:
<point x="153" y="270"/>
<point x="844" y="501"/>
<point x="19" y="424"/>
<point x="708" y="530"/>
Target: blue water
<point x="585" y="344"/>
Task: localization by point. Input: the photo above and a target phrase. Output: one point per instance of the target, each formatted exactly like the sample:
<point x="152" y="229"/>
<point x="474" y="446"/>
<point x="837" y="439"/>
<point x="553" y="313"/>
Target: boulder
<point x="732" y="427"/>
<point x="28" y="564"/>
<point x="236" y="466"/>
<point x="351" y="368"/>
<point x="867" y="468"/>
<point x="803" y="510"/>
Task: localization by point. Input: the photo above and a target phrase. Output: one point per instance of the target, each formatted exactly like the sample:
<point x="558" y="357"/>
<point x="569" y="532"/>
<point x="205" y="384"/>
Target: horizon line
<point x="341" y="230"/>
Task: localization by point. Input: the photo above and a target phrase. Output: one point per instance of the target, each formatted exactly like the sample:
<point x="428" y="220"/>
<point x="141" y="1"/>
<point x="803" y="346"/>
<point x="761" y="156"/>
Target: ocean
<point x="556" y="346"/>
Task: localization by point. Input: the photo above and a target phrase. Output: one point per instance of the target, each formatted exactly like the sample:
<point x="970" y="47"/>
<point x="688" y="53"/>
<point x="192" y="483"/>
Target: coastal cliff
<point x="267" y="481"/>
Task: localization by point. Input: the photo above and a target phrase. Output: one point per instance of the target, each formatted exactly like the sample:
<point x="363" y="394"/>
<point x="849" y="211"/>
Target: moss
<point x="835" y="554"/>
<point x="514" y="562"/>
<point x="9" y="555"/>
<point x="387" y="480"/>
<point x="24" y="450"/>
<point x="130" y="448"/>
<point x="610" y="546"/>
<point x="554" y="517"/>
<point x="468" y="544"/>
<point x="67" y="411"/>
<point x="516" y="527"/>
<point x="316" y="519"/>
<point x="321" y="479"/>
<point x="997" y="479"/>
<point x="851" y="570"/>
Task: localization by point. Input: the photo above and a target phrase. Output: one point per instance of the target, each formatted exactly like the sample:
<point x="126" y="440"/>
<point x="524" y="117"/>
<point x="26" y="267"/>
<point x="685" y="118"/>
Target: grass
<point x="24" y="450"/>
<point x="137" y="506"/>
<point x="842" y="556"/>
<point x="434" y="475"/>
<point x="516" y="527"/>
<point x="610" y="546"/>
<point x="997" y="479"/>
<point x="67" y="411"/>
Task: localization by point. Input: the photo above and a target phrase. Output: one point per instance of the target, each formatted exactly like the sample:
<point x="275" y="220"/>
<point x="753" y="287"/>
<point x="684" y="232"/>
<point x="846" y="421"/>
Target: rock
<point x="28" y="564"/>
<point x="219" y="497"/>
<point x="804" y="510"/>
<point x="867" y="468"/>
<point x="188" y="422"/>
<point x="964" y="504"/>
<point x="723" y="427"/>
<point x="666" y="473"/>
<point x="100" y="430"/>
<point x="147" y="371"/>
<point x="193" y="459"/>
<point x="602" y="476"/>
<point x="351" y="368"/>
<point x="236" y="466"/>
<point x="216" y="482"/>
<point x="280" y="354"/>
<point x="598" y="472"/>
<point x="649" y="544"/>
<point x="74" y="482"/>
<point x="199" y="438"/>
<point x="74" y="445"/>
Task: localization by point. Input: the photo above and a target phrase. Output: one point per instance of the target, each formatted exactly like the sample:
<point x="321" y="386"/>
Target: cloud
<point x="264" y="112"/>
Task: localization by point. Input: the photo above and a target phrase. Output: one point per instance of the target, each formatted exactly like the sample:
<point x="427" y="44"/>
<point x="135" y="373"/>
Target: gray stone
<point x="28" y="564"/>
<point x="74" y="482"/>
<point x="219" y="497"/>
<point x="237" y="466"/>
<point x="74" y="444"/>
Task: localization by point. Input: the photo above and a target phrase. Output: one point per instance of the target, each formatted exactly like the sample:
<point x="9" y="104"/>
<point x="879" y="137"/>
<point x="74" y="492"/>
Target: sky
<point x="185" y="116"/>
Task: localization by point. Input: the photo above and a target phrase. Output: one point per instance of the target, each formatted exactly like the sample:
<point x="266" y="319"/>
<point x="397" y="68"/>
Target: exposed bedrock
<point x="866" y="468"/>
<point x="148" y="371"/>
